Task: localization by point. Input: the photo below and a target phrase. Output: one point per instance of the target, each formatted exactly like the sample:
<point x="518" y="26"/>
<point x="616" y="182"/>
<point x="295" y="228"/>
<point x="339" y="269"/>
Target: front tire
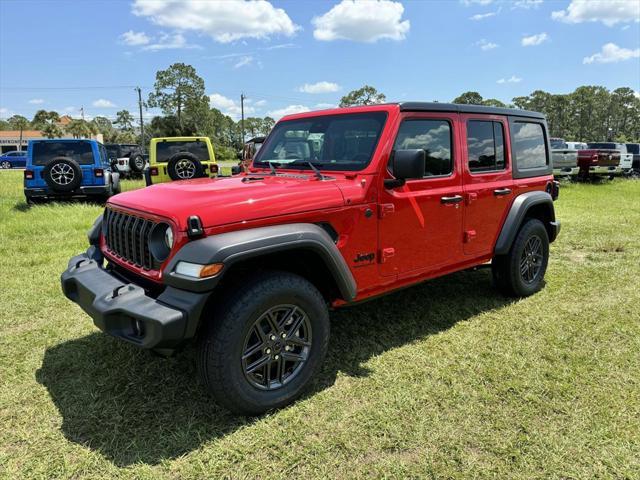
<point x="263" y="345"/>
<point x="520" y="273"/>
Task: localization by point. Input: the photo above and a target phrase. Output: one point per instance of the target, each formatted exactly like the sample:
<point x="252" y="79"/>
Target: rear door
<point x="420" y="226"/>
<point x="488" y="182"/>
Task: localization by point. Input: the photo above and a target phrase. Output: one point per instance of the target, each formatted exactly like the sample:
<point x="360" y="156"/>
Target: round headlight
<point x="168" y="238"/>
<point x="161" y="241"/>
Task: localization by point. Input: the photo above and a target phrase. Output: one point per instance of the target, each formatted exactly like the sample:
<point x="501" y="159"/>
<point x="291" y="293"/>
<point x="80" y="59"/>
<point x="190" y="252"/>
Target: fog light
<point x="196" y="270"/>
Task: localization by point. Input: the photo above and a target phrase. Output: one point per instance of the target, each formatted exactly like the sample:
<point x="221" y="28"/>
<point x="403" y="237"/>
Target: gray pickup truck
<point x="564" y="159"/>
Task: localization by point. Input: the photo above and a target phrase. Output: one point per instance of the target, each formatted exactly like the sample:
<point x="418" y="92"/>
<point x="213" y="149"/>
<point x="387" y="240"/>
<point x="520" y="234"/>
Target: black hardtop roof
<point x="465" y="108"/>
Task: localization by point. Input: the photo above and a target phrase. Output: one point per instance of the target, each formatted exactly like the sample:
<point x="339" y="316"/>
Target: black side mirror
<point x="405" y="165"/>
<point x="235" y="170"/>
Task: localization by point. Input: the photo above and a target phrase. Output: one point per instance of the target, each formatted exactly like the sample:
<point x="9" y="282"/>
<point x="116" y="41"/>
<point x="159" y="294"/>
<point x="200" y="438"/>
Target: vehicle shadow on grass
<point x="134" y="407"/>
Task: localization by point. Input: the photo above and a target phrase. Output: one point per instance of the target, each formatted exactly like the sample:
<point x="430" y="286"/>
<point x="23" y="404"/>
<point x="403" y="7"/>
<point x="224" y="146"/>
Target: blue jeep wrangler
<point x="68" y="168"/>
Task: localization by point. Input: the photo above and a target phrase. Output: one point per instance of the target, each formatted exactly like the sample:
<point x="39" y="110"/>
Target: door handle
<point x="449" y="200"/>
<point x="502" y="191"/>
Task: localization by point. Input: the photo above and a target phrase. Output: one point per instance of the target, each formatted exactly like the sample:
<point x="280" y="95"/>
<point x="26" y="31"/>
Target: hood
<point x="228" y="200"/>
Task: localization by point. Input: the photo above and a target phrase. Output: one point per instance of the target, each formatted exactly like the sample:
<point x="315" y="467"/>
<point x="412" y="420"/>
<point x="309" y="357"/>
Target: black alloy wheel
<point x="276" y="347"/>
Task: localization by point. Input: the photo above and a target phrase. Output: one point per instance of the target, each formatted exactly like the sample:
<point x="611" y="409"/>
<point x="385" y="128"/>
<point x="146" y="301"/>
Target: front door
<point x="420" y="227"/>
<point x="488" y="182"/>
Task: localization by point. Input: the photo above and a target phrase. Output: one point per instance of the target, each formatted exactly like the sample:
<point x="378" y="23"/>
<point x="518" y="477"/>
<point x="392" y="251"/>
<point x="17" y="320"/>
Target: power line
<point x="101" y="87"/>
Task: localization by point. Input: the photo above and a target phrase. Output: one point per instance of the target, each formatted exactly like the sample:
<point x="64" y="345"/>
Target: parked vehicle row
<point x="128" y="159"/>
<point x="585" y="160"/>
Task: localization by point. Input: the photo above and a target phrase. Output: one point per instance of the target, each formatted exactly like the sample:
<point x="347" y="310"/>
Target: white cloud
<point x="224" y="20"/>
<point x="5" y="112"/>
<point x="482" y="16"/>
<point x="512" y="79"/>
<point x="103" y="103"/>
<point x="319" y="87"/>
<point x="486" y="45"/>
<point x="229" y="106"/>
<point x="324" y="106"/>
<point x="288" y="110"/>
<point x="36" y="101"/>
<point x="608" y="12"/>
<point x="611" y="53"/>
<point x="244" y="62"/>
<point x="260" y="103"/>
<point x="168" y="41"/>
<point x="362" y="22"/>
<point x="533" y="40"/>
<point x="637" y="94"/>
<point x="527" y="4"/>
<point x="135" y="39"/>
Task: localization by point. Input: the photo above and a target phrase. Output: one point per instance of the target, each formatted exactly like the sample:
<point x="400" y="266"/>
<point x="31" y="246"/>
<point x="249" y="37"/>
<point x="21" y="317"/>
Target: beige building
<point x="10" y="139"/>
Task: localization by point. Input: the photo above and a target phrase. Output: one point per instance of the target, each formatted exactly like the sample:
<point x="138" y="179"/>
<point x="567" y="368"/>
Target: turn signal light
<point x="153" y="171"/>
<point x="214" y="168"/>
<point x="28" y="174"/>
<point x="210" y="270"/>
<point x="98" y="172"/>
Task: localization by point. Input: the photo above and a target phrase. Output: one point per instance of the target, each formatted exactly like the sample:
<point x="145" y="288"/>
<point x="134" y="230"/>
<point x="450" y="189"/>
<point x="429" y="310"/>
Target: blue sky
<point x="294" y="55"/>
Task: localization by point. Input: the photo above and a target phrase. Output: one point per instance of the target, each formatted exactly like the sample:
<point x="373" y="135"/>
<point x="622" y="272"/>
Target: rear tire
<point x="520" y="273"/>
<point x="293" y="318"/>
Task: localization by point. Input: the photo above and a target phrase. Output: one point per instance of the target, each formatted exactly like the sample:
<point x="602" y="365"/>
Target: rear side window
<point x="633" y="148"/>
<point x="485" y="146"/>
<point x="529" y="146"/>
<point x="432" y="136"/>
<point x="44" y="152"/>
<point x="166" y="150"/>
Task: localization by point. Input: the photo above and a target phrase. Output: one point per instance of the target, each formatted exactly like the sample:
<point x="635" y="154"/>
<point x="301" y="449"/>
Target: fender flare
<point x="232" y="247"/>
<point x="519" y="208"/>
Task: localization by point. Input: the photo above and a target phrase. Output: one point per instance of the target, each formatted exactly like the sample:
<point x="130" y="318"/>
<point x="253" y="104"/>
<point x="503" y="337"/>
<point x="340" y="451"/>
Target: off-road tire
<point x="506" y="269"/>
<point x="222" y="341"/>
<point x="68" y="165"/>
<point x="136" y="163"/>
<point x="173" y="166"/>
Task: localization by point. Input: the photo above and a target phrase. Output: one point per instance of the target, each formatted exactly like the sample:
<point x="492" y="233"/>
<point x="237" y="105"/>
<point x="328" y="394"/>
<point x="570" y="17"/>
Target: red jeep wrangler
<point x="339" y="206"/>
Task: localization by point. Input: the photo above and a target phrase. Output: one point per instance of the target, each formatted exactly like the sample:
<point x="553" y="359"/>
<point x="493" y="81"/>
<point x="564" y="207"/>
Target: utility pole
<point x="242" y="97"/>
<point x="141" y="121"/>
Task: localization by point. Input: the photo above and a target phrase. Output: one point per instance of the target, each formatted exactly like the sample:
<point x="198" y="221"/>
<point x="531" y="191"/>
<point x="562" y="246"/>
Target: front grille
<point x="127" y="237"/>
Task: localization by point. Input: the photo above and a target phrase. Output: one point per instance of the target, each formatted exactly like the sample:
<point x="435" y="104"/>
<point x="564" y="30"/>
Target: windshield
<point x="557" y="143"/>
<point x="330" y="142"/>
<point x="80" y="151"/>
<point x="166" y="150"/>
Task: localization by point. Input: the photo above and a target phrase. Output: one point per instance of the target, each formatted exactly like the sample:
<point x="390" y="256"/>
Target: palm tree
<point x="52" y="130"/>
<point x="19" y="123"/>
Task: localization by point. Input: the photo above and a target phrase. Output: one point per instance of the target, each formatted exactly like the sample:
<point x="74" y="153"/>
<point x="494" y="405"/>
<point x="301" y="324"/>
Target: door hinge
<point x="386" y="254"/>
<point x="386" y="209"/>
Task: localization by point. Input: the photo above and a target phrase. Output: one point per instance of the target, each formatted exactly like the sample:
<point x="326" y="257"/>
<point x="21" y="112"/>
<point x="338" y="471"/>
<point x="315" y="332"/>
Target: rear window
<point x="528" y="145"/>
<point x="602" y="145"/>
<point x="166" y="150"/>
<point x="44" y="152"/>
<point x="113" y="151"/>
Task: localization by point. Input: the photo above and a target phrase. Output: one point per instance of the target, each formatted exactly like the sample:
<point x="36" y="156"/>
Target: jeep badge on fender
<point x="280" y="244"/>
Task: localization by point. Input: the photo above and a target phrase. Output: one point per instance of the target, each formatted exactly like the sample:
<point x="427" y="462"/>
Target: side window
<point x="485" y="146"/>
<point x="529" y="146"/>
<point x="432" y="136"/>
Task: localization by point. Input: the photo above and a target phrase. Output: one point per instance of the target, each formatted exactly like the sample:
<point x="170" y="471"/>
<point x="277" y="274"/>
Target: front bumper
<point x="566" y="171"/>
<point x="47" y="192"/>
<point x="126" y="310"/>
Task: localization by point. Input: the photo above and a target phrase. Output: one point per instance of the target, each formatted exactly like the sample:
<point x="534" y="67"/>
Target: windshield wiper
<point x="319" y="175"/>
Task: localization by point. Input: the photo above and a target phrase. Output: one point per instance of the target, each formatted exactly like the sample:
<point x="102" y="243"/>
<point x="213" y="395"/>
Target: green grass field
<point x="447" y="379"/>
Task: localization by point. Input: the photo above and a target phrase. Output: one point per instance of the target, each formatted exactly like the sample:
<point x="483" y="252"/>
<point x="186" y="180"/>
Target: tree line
<point x="590" y="113"/>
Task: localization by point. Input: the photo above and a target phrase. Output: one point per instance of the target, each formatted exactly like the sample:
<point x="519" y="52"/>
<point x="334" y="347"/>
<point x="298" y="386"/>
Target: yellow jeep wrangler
<point x="180" y="158"/>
